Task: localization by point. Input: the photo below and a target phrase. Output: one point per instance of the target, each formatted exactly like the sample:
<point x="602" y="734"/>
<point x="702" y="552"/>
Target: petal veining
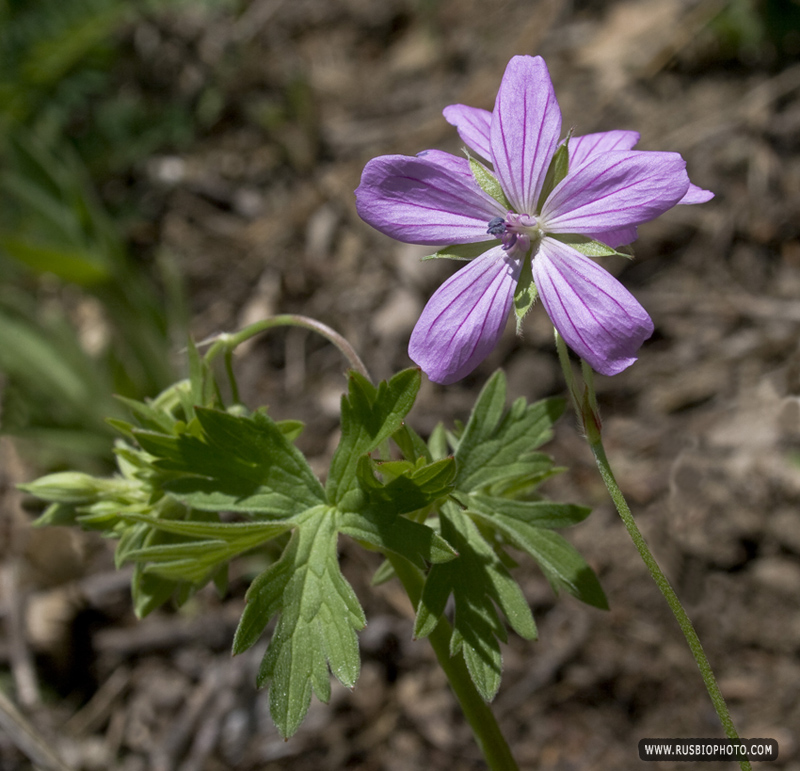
<point x="616" y="190"/>
<point x="588" y="146"/>
<point x="615" y="238"/>
<point x="423" y="200"/>
<point x="598" y="318"/>
<point x="465" y="317"/>
<point x="526" y="125"/>
<point x="473" y="125"/>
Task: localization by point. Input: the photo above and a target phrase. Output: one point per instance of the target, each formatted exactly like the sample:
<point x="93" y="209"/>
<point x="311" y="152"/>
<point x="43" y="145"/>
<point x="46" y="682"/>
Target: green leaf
<point x="463" y="252"/>
<point x="369" y="416"/>
<point x="527" y="525"/>
<point x="525" y="293"/>
<point x="291" y="429"/>
<point x="243" y="464"/>
<point x="438" y="444"/>
<point x="319" y="615"/>
<point x="212" y="544"/>
<point x="150" y="591"/>
<point x="488" y="183"/>
<point x="417" y="543"/>
<point x="556" y="171"/>
<point x="411" y="444"/>
<point x="57" y="515"/>
<point x="588" y="246"/>
<point x="72" y="265"/>
<point x="479" y="583"/>
<point x="539" y="514"/>
<point x="559" y="560"/>
<point x="148" y="416"/>
<point x="415" y="489"/>
<point x="47" y="365"/>
<point x="497" y="444"/>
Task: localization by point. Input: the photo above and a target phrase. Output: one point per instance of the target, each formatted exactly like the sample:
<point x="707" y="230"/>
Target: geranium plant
<point x="204" y="478"/>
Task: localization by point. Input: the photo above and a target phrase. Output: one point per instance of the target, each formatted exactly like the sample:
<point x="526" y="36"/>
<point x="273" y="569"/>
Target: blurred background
<point x="185" y="167"/>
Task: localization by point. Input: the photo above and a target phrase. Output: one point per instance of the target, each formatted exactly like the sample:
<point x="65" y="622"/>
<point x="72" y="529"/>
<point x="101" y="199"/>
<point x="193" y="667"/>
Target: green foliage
<point x="767" y="30"/>
<point x="200" y="483"/>
<point x="52" y="225"/>
<point x="494" y="505"/>
<point x="61" y="66"/>
<point x="58" y="60"/>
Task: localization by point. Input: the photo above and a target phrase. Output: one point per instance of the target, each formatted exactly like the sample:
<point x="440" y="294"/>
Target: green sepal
<point x="525" y="293"/>
<point x="556" y="171"/>
<point x="588" y="246"/>
<point x="463" y="252"/>
<point x="488" y="183"/>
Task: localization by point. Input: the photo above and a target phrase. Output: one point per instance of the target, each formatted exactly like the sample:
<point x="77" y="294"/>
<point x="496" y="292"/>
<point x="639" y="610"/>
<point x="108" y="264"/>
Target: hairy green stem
<point x="477" y="712"/>
<point x="227" y="342"/>
<point x="669" y="595"/>
<point x="588" y="415"/>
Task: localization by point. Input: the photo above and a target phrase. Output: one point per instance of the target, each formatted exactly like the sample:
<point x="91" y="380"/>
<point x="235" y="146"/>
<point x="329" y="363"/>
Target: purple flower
<point x="541" y="209"/>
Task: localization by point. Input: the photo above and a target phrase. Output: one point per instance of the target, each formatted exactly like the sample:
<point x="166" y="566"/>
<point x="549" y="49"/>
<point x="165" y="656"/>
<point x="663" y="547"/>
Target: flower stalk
<point x="587" y="412"/>
<point x="226" y="343"/>
<point x="478" y="713"/>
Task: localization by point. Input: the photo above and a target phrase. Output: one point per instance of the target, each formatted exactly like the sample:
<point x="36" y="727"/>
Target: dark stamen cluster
<point x="497" y="227"/>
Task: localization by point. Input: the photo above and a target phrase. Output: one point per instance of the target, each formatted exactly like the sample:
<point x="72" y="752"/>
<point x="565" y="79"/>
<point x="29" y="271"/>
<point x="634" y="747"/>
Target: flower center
<point x="516" y="231"/>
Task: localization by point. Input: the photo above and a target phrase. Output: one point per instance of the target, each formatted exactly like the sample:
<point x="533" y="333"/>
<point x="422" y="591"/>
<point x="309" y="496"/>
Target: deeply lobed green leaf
<point x="370" y="416"/>
<point x="238" y="463"/>
<point x="319" y="616"/>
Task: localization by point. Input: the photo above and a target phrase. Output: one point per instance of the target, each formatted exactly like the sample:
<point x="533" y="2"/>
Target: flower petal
<point x="597" y="317"/>
<point x="526" y="125"/>
<point x="616" y="190"/>
<point x="465" y="317"/>
<point x="425" y="200"/>
<point x="696" y="194"/>
<point x="615" y="238"/>
<point x="473" y="126"/>
<point x="588" y="146"/>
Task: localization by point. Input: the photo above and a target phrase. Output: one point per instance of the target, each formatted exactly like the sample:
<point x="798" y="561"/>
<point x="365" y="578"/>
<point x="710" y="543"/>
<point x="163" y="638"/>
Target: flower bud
<point x="67" y="487"/>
